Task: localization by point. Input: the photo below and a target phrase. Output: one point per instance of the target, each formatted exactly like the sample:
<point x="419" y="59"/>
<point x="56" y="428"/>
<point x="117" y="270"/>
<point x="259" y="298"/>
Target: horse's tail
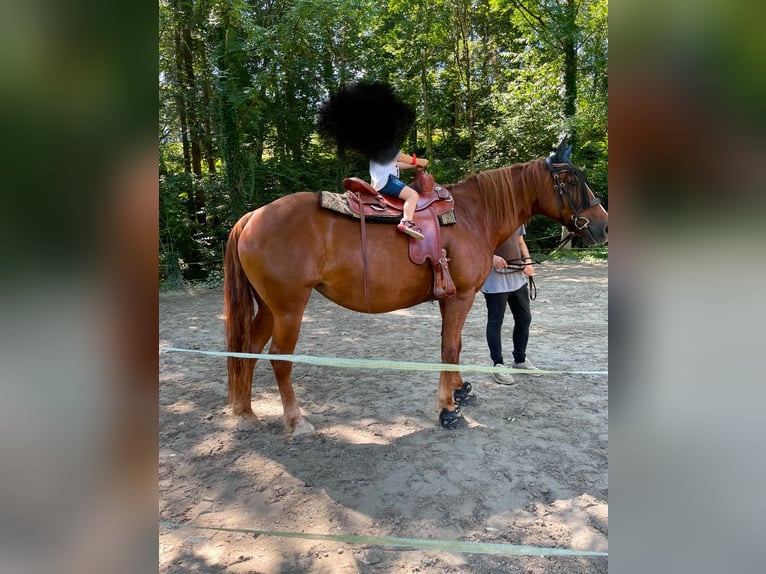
<point x="238" y="306"/>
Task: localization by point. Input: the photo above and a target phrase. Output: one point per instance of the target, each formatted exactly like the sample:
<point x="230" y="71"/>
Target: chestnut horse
<point x="278" y="254"/>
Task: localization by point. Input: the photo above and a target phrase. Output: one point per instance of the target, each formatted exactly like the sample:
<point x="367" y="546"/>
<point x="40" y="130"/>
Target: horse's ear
<point x="563" y="151"/>
<point x="560" y="155"/>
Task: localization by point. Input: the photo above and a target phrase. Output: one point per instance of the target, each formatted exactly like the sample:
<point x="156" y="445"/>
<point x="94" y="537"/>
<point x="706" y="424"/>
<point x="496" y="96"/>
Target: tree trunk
<point x="208" y="133"/>
<point x="229" y="135"/>
<point x="462" y="15"/>
<point x="426" y="104"/>
<point x="191" y="97"/>
<point x="190" y="86"/>
<point x="181" y="102"/>
<point x="570" y="62"/>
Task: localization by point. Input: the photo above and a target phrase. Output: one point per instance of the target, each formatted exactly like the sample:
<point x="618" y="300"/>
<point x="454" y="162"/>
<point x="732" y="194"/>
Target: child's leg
<point x="398" y="189"/>
<point x="410" y="197"/>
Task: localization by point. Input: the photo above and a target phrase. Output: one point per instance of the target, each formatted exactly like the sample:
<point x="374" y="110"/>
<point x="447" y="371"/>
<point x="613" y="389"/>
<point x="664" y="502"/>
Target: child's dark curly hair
<point x="367" y="117"/>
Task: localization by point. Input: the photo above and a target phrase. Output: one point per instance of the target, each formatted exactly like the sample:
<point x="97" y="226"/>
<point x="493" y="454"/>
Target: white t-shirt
<point x="379" y="172"/>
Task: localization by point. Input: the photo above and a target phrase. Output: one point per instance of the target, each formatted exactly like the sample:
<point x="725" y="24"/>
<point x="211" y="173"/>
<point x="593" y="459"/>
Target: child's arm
<point x="405" y="161"/>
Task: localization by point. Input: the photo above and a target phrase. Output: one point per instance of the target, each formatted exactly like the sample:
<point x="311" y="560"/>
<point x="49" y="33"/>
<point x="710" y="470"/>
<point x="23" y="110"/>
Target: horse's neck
<point x="515" y="196"/>
<point x="507" y="228"/>
<point x="524" y="200"/>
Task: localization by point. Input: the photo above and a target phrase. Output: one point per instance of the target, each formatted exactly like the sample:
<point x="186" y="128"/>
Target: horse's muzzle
<point x="595" y="234"/>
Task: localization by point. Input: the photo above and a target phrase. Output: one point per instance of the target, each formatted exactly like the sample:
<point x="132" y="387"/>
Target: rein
<point x="518" y="265"/>
<point x="561" y="244"/>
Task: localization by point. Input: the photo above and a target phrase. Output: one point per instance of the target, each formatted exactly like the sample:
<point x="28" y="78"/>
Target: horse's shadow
<point x="386" y="472"/>
<point x="460" y="479"/>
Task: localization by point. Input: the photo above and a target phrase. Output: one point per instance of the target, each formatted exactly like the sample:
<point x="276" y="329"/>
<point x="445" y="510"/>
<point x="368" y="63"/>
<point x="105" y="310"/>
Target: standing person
<point x="385" y="179"/>
<point x="507" y="285"/>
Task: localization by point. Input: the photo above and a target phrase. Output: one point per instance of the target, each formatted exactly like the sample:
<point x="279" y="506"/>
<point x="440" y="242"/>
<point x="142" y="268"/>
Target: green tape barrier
<point x="344" y="363"/>
<point x="420" y="543"/>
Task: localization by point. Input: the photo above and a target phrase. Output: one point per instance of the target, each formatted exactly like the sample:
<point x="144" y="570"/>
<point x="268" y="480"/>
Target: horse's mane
<point x="498" y="193"/>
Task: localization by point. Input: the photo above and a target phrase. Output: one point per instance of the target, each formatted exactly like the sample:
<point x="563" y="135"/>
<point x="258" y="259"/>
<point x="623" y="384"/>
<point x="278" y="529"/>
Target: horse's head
<point x="579" y="209"/>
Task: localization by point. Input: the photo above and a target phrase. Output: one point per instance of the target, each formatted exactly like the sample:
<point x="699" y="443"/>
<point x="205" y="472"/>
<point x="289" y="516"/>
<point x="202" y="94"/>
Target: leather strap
<point x="444" y="287"/>
<point x="363" y="231"/>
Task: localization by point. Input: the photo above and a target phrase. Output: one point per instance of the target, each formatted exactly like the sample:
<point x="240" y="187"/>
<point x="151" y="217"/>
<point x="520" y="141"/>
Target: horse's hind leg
<point x="286" y="330"/>
<point x="241" y="370"/>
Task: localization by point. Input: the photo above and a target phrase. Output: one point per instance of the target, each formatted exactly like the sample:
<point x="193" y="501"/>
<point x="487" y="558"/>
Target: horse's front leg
<point x="454" y="313"/>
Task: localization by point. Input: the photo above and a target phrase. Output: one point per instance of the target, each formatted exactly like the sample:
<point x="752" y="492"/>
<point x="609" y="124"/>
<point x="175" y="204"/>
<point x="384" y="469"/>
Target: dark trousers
<point x="518" y="301"/>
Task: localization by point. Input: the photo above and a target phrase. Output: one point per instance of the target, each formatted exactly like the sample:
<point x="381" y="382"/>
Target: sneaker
<point x="408" y="227"/>
<point x="503" y="378"/>
<point x="527" y="365"/>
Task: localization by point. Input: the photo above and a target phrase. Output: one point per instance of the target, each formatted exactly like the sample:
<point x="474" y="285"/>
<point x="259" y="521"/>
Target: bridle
<point x="577" y="220"/>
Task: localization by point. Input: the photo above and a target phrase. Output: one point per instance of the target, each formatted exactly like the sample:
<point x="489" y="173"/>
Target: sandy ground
<point x="531" y="469"/>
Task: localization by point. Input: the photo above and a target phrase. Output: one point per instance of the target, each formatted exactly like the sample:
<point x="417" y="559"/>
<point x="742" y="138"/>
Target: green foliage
<point x="241" y="80"/>
<point x="582" y="254"/>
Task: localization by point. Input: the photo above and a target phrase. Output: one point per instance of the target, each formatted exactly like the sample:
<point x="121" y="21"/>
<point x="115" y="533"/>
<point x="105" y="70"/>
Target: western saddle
<point x="434" y="200"/>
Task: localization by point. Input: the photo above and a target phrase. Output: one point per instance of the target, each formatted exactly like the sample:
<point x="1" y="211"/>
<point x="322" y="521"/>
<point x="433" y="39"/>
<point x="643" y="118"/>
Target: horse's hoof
<point x="248" y="422"/>
<point x="462" y="395"/>
<point x="452" y="419"/>
<point x="303" y="430"/>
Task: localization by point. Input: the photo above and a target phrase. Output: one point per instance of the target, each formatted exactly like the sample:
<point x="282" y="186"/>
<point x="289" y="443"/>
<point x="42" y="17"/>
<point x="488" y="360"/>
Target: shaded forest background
<point x="494" y="82"/>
